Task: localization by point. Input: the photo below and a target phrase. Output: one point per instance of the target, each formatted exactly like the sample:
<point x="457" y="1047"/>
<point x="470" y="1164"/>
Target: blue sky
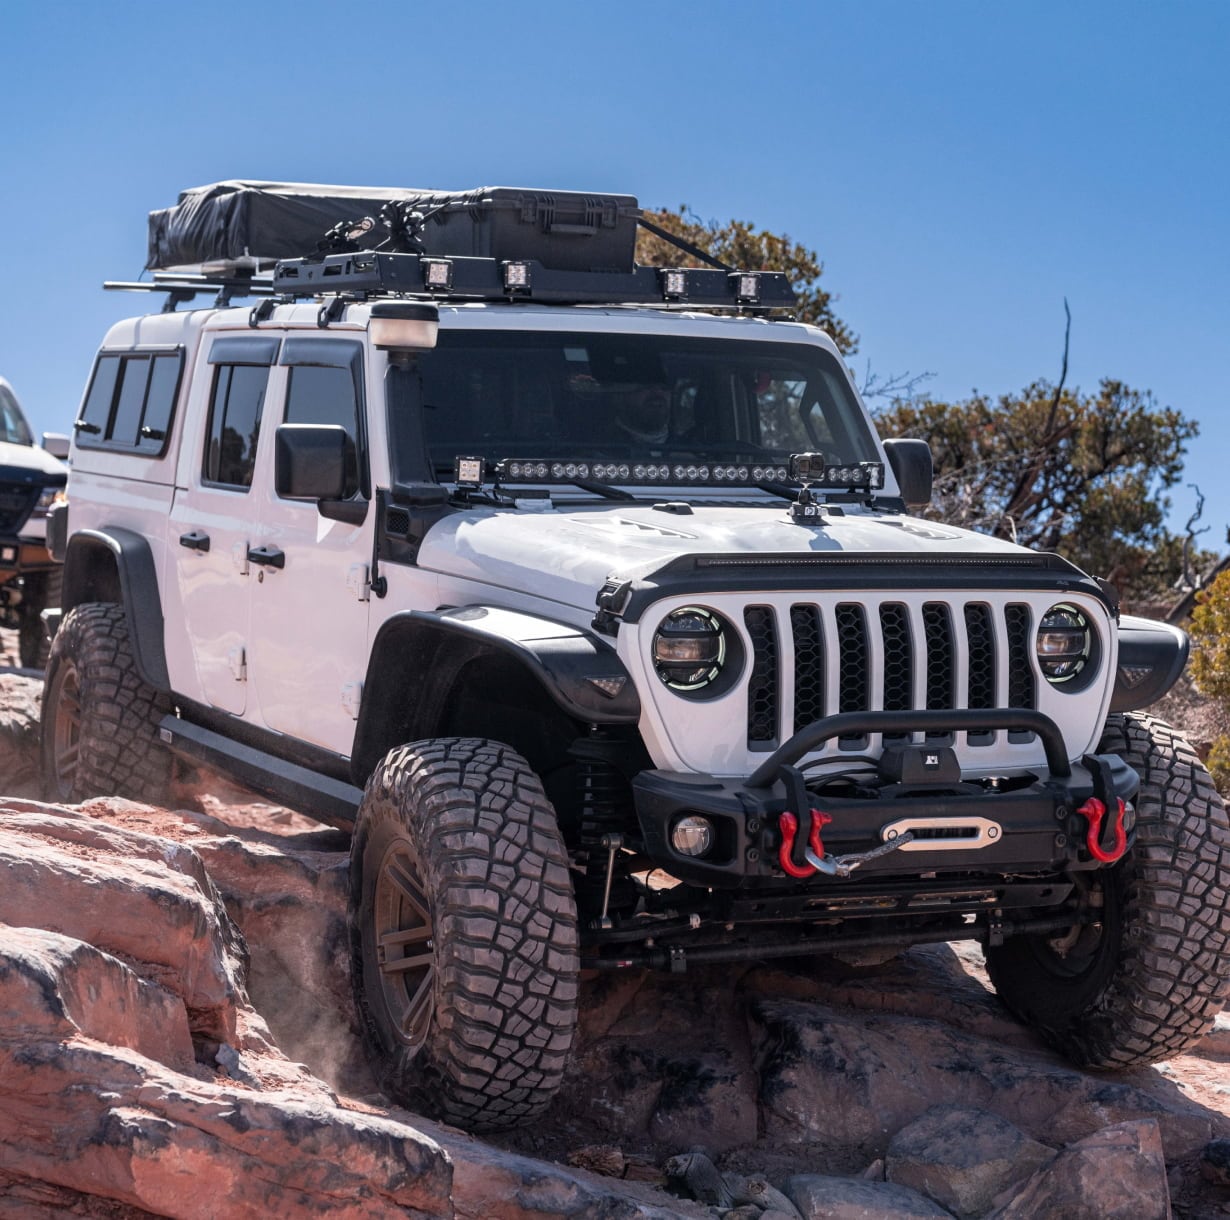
<point x="961" y="167"/>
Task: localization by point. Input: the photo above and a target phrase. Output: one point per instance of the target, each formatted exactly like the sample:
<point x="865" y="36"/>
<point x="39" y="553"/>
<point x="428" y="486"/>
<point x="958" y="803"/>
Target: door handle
<point x="267" y="556"/>
<point x="197" y="540"/>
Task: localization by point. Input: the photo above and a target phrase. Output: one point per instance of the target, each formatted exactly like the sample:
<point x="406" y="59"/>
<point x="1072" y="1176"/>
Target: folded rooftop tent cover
<point x="260" y="220"/>
<point x="267" y="221"/>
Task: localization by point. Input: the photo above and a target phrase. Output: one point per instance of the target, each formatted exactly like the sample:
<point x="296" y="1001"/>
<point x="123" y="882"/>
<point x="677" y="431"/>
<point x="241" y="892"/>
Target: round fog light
<point x="692" y="836"/>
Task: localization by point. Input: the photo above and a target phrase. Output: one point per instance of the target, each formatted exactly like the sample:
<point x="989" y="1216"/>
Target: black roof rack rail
<point x="371" y="274"/>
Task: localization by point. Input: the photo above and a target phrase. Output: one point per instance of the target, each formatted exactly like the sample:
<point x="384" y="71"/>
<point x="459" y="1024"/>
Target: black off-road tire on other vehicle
<point x="1145" y="984"/>
<point x="41" y="591"/>
<point x="100" y="719"/>
<point x="463" y="933"/>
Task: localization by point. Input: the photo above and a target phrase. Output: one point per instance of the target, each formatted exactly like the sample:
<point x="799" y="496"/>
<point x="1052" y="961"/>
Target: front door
<point x="310" y="571"/>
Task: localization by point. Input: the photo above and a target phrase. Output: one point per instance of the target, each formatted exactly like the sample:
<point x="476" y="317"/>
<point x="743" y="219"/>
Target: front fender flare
<point x="1151" y="658"/>
<point x="417" y="655"/>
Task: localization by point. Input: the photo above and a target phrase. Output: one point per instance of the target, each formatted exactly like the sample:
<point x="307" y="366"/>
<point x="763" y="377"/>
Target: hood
<point x="29" y="464"/>
<point x="568" y="556"/>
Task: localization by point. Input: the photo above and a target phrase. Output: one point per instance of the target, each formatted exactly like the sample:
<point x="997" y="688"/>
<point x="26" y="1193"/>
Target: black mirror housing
<point x="310" y="461"/>
<point x="911" y="465"/>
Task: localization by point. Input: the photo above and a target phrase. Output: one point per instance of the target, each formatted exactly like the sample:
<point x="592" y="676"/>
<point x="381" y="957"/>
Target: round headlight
<point x="1064" y="643"/>
<point x="689" y="648"/>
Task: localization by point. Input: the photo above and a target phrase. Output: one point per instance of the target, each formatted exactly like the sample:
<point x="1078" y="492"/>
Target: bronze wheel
<point x="404" y="947"/>
<point x="65" y="699"/>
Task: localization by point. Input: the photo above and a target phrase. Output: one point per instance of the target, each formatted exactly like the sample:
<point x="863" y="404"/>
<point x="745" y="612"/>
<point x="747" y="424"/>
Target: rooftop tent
<point x="267" y="221"/>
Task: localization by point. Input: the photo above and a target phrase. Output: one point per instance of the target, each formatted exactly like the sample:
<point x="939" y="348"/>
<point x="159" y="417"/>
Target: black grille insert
<point x="763" y="685"/>
<point x="1021" y="692"/>
<point x="980" y="642"/>
<point x="808" y="665"/>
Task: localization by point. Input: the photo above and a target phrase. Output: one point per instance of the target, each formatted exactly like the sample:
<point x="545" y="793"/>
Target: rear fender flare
<point x="113" y="564"/>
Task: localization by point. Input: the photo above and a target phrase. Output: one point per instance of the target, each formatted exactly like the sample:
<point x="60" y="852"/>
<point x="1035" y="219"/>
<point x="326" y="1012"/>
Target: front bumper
<point x="1031" y="823"/>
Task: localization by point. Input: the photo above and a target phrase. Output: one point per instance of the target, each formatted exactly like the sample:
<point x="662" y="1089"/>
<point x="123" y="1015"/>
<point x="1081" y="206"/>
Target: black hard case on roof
<point x="566" y="230"/>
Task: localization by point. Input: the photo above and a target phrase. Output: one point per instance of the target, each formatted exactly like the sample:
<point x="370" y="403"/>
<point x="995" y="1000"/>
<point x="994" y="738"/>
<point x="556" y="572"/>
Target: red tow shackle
<point x="790" y="828"/>
<point x="1093" y="810"/>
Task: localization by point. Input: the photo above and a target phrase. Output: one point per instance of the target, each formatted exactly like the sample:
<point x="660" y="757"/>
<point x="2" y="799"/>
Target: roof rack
<point x="369" y="275"/>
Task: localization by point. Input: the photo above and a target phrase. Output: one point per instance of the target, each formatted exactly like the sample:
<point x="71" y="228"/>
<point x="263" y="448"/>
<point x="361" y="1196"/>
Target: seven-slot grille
<point x="859" y="656"/>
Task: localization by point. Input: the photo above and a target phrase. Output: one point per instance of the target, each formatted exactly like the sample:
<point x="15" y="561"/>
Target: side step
<point x="318" y="796"/>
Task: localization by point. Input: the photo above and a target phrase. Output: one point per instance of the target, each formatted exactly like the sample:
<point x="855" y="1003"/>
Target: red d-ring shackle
<point x="1094" y="811"/>
<point x="790" y="827"/>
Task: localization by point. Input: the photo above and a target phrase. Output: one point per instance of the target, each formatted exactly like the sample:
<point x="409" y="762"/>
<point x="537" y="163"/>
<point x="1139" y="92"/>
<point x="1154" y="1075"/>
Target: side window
<point x="324" y="395"/>
<point x="96" y="413"/>
<point x="234" y="424"/>
<point x="324" y="386"/>
<point x="131" y="402"/>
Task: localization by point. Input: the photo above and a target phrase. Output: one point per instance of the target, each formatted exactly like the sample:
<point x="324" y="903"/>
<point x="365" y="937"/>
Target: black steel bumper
<point x="1031" y="824"/>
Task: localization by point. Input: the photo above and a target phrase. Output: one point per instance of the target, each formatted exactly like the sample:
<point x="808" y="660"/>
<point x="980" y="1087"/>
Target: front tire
<point x="463" y="933"/>
<point x="1146" y="982"/>
<point x="100" y="719"/>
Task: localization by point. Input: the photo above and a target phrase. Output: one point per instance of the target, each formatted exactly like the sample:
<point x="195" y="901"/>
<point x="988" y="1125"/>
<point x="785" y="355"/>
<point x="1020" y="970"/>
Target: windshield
<point x="13" y="426"/>
<point x="517" y="394"/>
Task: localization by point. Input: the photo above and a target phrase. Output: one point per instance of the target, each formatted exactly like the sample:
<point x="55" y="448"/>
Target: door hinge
<point x="352" y="699"/>
<point x="358" y="581"/>
<point x="238" y="660"/>
<point x="239" y="556"/>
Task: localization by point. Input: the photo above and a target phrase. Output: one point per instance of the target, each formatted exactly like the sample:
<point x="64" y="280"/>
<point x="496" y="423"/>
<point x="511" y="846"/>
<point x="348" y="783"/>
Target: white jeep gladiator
<point x="587" y="596"/>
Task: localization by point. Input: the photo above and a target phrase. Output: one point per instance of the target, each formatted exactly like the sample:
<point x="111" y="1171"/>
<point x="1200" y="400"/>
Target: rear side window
<point x="131" y="401"/>
<point x="234" y="424"/>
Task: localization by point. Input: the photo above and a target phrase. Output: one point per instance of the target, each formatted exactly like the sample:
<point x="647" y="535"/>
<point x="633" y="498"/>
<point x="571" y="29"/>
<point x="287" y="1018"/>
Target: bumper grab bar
<point x="857" y="724"/>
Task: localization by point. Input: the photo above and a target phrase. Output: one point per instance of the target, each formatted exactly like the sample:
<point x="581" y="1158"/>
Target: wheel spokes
<point x="404" y="947"/>
<point x="418" y="1011"/>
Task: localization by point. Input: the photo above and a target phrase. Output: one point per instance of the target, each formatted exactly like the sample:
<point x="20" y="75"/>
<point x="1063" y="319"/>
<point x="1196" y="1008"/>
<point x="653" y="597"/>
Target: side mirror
<point x="911" y="464"/>
<point x="310" y="461"/>
<point x="56" y="443"/>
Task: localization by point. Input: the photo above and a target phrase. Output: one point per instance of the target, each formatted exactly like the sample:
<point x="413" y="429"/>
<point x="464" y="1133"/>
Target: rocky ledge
<point x="175" y="1039"/>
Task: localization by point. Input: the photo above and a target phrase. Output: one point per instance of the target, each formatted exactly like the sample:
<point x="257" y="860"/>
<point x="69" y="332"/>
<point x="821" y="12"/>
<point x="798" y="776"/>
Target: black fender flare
<point x="117" y="564"/>
<point x="1152" y="655"/>
<point x="417" y="656"/>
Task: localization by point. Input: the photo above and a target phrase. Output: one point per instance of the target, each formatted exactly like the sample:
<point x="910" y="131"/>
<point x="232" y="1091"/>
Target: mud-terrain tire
<point x="100" y="720"/>
<point x="40" y="591"/>
<point x="457" y="866"/>
<point x="1147" y="984"/>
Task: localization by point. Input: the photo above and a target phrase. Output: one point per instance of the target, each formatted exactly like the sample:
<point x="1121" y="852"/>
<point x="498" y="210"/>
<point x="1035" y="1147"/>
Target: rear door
<point x="213" y="523"/>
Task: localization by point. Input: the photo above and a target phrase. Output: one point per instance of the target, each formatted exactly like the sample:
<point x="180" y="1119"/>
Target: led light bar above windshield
<point x="541" y="470"/>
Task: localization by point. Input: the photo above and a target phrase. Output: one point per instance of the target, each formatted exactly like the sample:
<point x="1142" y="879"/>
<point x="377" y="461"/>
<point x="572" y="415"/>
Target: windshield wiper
<point x="603" y="489"/>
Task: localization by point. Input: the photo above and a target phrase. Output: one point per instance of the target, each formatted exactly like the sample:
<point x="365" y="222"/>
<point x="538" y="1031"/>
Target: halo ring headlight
<point x="695" y="652"/>
<point x="1066" y="646"/>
